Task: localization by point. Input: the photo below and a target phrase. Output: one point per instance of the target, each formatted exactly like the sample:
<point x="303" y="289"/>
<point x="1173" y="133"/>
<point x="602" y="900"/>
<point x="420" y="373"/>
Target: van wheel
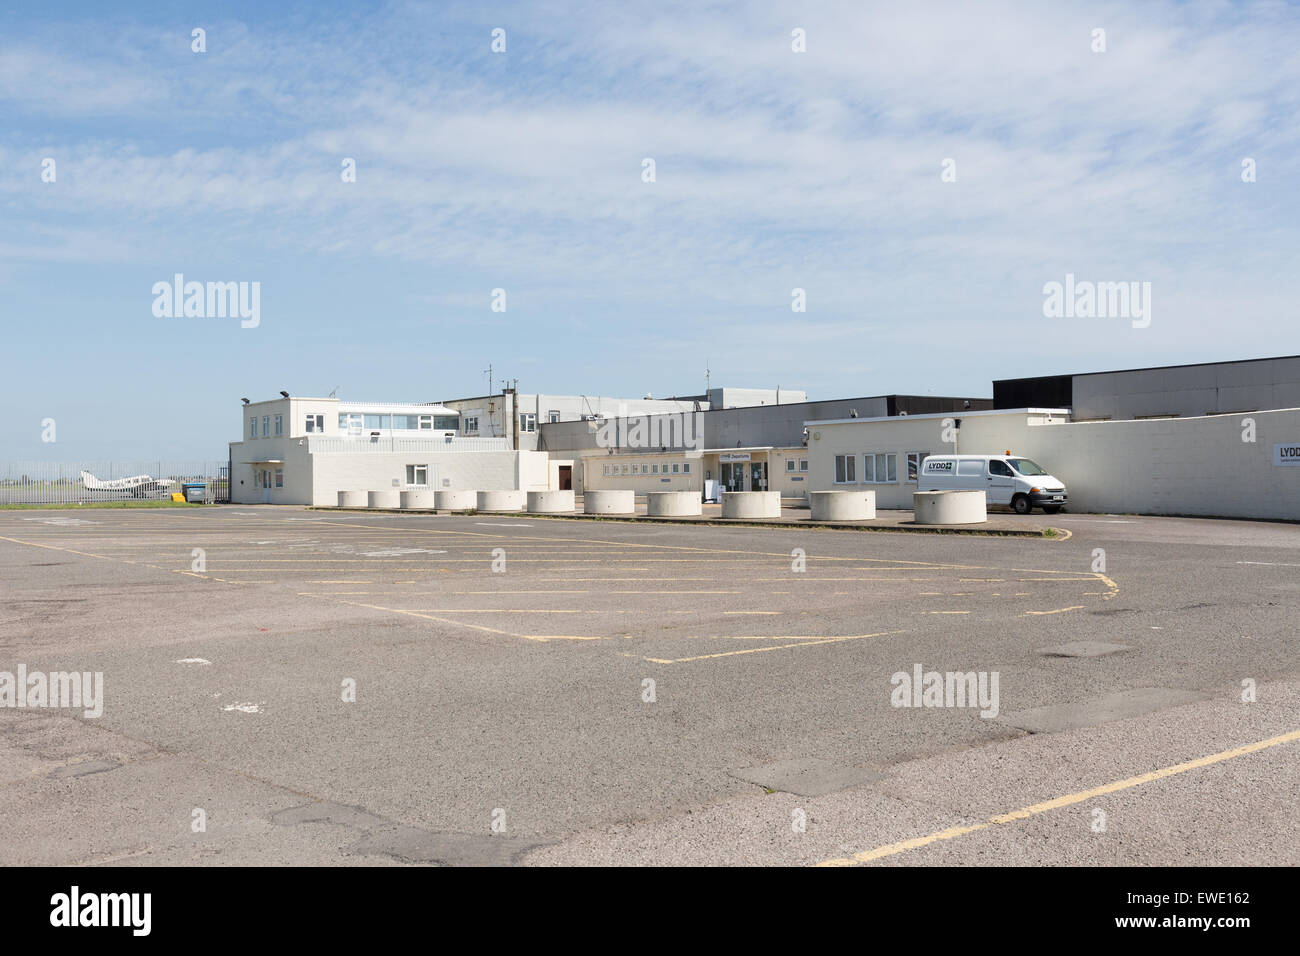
<point x="1021" y="505"/>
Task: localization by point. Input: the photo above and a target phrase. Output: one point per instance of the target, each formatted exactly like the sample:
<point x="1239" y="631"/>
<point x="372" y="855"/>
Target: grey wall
<point x="1189" y="390"/>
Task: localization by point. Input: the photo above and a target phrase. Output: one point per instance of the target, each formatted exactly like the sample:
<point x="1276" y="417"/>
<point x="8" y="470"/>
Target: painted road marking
<point x="903" y="846"/>
<point x="759" y="650"/>
<point x="1059" y="610"/>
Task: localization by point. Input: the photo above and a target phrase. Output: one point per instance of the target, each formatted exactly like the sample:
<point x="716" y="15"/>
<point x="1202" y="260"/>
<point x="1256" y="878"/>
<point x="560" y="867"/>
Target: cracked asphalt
<point x="287" y="686"/>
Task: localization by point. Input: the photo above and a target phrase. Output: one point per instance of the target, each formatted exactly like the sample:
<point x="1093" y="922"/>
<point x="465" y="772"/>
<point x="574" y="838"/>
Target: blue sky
<point x="477" y="170"/>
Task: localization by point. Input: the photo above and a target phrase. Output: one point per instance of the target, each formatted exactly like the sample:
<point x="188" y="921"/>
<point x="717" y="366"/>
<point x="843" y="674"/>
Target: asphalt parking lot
<point x="546" y="691"/>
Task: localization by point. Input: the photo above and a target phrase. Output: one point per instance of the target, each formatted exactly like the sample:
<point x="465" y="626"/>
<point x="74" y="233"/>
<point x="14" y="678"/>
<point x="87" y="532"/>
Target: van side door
<point x="1001" y="484"/>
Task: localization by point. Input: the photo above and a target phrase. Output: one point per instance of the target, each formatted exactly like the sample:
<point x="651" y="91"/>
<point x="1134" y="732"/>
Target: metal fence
<point x="50" y="482"/>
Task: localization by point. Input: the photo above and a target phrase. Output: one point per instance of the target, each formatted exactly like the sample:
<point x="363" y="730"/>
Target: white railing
<point x="365" y="445"/>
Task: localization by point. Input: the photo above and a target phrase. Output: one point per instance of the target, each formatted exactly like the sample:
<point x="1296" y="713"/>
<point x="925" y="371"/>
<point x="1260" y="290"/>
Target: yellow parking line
<point x="1070" y="799"/>
<point x="759" y="650"/>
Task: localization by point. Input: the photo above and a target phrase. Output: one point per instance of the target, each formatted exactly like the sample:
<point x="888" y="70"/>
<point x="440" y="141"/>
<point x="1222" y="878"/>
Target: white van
<point x="1018" y="483"/>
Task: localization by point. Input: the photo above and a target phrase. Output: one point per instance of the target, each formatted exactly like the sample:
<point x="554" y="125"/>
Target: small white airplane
<point x="137" y="485"/>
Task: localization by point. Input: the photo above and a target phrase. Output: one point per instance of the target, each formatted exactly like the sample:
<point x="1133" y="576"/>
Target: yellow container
<point x="178" y="497"/>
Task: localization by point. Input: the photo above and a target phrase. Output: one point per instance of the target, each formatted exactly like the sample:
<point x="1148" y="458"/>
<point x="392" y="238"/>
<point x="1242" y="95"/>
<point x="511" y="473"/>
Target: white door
<point x="1001" y="483"/>
<point x="266" y="486"/>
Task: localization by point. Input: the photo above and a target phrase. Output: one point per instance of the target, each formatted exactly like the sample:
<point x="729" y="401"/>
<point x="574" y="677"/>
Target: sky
<point x="824" y="169"/>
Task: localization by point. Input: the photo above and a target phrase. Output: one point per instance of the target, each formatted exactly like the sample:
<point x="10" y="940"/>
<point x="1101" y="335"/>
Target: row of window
<point x="789" y="464"/>
<point x="266" y="426"/>
<point x="528" y="420"/>
<point x="875" y="468"/>
<point x="677" y="468"/>
<point x="352" y="421"/>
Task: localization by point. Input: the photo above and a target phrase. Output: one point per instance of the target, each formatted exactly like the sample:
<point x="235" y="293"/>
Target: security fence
<point x="71" y="483"/>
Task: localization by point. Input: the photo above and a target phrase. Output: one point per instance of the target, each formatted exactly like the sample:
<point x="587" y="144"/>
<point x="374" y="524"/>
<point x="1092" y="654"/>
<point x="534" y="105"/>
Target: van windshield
<point x="1026" y="466"/>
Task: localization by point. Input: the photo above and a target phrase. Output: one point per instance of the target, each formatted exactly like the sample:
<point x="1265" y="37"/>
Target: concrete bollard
<point x="949" y="507"/>
<point x="417" y="499"/>
<point x="383" y="499"/>
<point x="751" y="504"/>
<point x="501" y="500"/>
<point x="842" y="505"/>
<point x="550" y="502"/>
<point x="609" y="502"/>
<point x="673" y="504"/>
<point x="353" y="499"/>
<point x="456" y="500"/>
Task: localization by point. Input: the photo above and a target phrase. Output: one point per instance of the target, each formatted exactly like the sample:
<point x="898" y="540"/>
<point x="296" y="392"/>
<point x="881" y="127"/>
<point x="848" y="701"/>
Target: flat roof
<point x="941" y="415"/>
<point x="1147" y="368"/>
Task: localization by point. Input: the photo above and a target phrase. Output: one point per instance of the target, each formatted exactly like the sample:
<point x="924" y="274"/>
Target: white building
<point x="518" y="416"/>
<point x="307" y="450"/>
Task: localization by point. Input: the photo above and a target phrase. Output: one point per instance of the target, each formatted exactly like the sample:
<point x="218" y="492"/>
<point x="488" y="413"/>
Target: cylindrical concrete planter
<point x="383" y="499"/>
<point x="353" y="499"/>
<point x="751" y="504"/>
<point x="609" y="502"/>
<point x="673" y="504"/>
<point x="842" y="505"/>
<point x="949" y="507"/>
<point x="419" y="499"/>
<point x="549" y="502"/>
<point x="456" y="500"/>
<point x="502" y="500"/>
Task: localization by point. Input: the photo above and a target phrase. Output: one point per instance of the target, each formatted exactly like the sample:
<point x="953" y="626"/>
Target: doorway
<point x="757" y="476"/>
<point x="566" y="477"/>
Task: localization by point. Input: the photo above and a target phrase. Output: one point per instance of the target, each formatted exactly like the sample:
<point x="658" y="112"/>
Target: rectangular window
<point x="676" y="468"/>
<point x="654" y="469"/>
<point x="880" y="468"/>
<point x="803" y="464"/>
<point x="426" y="423"/>
<point x="552" y="416"/>
<point x="846" y="469"/>
<point x="686" y="468"/>
<point x="315" y="423"/>
<point x="645" y="469"/>
<point x="914" y="459"/>
<point x="625" y="469"/>
<point x="528" y="422"/>
<point x="279" y="477"/>
<point x="266" y="425"/>
<point x="279" y="424"/>
<point x="252" y="427"/>
<point x="417" y="475"/>
<point x="471" y="425"/>
<point x="869" y="467"/>
<point x="789" y="464"/>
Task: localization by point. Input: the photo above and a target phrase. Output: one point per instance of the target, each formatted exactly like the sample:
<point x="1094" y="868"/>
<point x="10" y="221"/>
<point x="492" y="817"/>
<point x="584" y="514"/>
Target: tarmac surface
<point x="282" y="685"/>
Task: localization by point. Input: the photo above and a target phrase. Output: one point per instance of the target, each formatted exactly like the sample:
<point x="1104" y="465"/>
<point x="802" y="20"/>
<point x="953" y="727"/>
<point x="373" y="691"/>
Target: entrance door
<point x="266" y="486"/>
<point x="758" y="476"/>
<point x="566" y="477"/>
<point x="733" y="476"/>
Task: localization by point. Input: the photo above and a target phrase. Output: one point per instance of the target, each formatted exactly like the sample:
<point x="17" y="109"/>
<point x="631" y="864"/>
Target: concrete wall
<point x="588" y="472"/>
<point x="1189" y="390"/>
<point x="1193" y="466"/>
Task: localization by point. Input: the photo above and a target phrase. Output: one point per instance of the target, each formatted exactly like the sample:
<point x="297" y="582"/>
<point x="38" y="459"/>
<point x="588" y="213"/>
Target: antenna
<point x="488" y="372"/>
<point x="334" y="392"/>
<point x="706" y="377"/>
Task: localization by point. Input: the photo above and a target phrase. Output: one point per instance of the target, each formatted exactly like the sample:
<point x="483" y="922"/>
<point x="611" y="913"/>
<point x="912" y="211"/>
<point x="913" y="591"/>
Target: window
<point x="252" y="427"/>
<point x="846" y="469"/>
<point x="625" y="469"/>
<point x="914" y="459"/>
<point x="999" y="468"/>
<point x="686" y="468"/>
<point x="279" y="477"/>
<point x="447" y="423"/>
<point x="426" y="422"/>
<point x="803" y="464"/>
<point x="471" y="425"/>
<point x="279" y="424"/>
<point x="789" y="464"/>
<point x="880" y="468"/>
<point x="552" y="416"/>
<point x="654" y="469"/>
<point x="970" y="467"/>
<point x="645" y="469"/>
<point x="315" y="423"/>
<point x="266" y="425"/>
<point x="377" y="422"/>
<point x="417" y="475"/>
<point x="676" y="468"/>
<point x="528" y="422"/>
